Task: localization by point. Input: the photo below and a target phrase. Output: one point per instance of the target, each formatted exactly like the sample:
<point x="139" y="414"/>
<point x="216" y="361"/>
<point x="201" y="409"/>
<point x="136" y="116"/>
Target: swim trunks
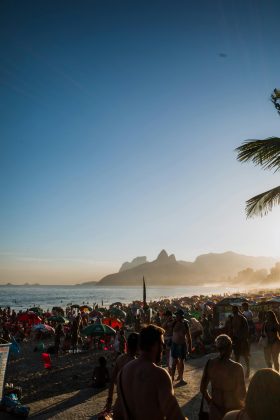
<point x="178" y="351"/>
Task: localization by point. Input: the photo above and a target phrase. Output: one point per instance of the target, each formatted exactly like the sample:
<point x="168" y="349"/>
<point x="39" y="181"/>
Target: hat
<point x="179" y="312"/>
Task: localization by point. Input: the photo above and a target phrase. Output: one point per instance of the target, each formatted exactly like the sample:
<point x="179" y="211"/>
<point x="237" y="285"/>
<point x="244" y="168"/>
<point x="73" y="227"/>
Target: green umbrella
<point x="58" y="318"/>
<point x="98" y="330"/>
<point x="117" y="313"/>
<point x="58" y="309"/>
<point x="37" y="310"/>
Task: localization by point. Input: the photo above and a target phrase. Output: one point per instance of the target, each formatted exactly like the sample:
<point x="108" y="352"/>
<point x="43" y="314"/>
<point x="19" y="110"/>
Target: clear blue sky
<point x="119" y="121"/>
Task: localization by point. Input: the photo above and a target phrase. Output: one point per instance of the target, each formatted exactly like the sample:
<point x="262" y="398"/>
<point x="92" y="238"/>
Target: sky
<point x="119" y="121"/>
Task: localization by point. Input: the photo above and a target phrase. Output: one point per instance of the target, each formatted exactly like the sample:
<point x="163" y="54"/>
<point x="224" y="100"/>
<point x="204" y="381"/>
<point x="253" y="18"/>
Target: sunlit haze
<point x="119" y="121"/>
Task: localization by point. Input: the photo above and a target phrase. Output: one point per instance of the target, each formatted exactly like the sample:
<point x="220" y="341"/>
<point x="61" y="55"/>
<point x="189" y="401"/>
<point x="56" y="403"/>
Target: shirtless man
<point x="145" y="389"/>
<point x="240" y="338"/>
<point x="228" y="388"/>
<point x="167" y="325"/>
<point x="122" y="360"/>
<point x="181" y="344"/>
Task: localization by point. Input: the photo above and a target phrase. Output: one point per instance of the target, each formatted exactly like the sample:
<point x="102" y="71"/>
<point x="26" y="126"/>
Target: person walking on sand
<point x="75" y="331"/>
<point x="181" y="344"/>
<point x="270" y="333"/>
<point x="144" y="389"/>
<point x="227" y="381"/>
<point x="240" y="338"/>
<point x="167" y="325"/>
<point x="249" y="316"/>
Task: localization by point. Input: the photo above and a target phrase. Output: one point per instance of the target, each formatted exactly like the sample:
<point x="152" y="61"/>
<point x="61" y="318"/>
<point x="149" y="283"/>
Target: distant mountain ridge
<point x="166" y="270"/>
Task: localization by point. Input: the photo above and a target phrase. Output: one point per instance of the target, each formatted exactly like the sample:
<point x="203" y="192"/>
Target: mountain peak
<point x="162" y="256"/>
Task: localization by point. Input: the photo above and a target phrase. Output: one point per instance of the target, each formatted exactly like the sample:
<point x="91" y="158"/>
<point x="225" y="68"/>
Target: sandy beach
<point x="65" y="391"/>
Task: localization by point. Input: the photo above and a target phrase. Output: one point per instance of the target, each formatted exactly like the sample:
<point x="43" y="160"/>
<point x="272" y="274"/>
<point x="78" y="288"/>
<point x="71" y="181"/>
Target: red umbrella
<point x="112" y="322"/>
<point x="29" y="317"/>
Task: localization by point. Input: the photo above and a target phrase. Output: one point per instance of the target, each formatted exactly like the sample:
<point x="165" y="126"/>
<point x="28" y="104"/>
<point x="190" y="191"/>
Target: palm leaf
<point x="263" y="203"/>
<point x="275" y="99"/>
<point x="265" y="153"/>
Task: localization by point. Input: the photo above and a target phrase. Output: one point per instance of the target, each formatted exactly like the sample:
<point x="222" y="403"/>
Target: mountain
<point x="166" y="270"/>
<point x="134" y="263"/>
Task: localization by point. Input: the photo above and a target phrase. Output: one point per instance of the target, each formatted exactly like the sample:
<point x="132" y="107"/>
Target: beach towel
<point x="47" y="360"/>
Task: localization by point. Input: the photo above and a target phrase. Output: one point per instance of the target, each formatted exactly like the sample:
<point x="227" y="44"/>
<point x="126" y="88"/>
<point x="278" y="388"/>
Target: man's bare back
<point x="148" y="392"/>
<point x="227" y="383"/>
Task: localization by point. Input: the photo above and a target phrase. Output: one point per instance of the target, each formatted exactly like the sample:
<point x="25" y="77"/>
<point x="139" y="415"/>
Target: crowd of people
<point x="149" y="347"/>
<point x="145" y="390"/>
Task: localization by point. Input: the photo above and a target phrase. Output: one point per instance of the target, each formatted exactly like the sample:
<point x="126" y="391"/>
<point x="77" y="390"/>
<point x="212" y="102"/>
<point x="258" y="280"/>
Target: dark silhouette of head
<point x="263" y="396"/>
<point x="151" y="341"/>
<point x="224" y="345"/>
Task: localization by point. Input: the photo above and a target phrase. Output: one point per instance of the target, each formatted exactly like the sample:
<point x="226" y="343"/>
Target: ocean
<point x="24" y="297"/>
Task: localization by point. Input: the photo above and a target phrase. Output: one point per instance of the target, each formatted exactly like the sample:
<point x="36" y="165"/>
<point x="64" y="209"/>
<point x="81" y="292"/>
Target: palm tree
<point x="265" y="153"/>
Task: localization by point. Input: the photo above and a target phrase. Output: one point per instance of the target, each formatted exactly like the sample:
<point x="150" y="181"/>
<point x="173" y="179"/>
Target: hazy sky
<point x="119" y="121"/>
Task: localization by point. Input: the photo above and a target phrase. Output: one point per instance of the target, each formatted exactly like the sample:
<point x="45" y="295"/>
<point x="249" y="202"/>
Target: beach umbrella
<point x="58" y="318"/>
<point x="117" y="313"/>
<point x="95" y="330"/>
<point x="37" y="310"/>
<point x="43" y="328"/>
<point x="75" y="306"/>
<point x="115" y="304"/>
<point x="112" y="322"/>
<point x="85" y="308"/>
<point x="58" y="309"/>
<point x="29" y="317"/>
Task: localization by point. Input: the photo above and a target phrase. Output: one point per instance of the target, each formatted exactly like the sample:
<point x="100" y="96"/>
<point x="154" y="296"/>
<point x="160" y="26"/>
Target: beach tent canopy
<point x="75" y="306"/>
<point x="232" y="301"/>
<point x="98" y="330"/>
<point x="275" y="299"/>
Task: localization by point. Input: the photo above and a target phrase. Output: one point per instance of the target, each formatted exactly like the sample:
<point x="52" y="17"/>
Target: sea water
<point x="24" y="297"/>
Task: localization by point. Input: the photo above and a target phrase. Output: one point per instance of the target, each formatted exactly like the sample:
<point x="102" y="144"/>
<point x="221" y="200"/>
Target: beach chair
<point x="47" y="360"/>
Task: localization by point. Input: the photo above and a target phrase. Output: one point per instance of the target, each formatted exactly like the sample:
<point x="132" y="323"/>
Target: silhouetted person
<point x="226" y="378"/>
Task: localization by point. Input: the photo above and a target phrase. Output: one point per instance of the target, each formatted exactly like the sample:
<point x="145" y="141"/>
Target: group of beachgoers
<point x="145" y="389"/>
<point x="150" y="346"/>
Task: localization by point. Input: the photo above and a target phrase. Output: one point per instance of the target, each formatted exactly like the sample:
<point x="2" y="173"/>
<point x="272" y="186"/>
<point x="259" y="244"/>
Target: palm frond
<point x="275" y="99"/>
<point x="265" y="153"/>
<point x="263" y="203"/>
